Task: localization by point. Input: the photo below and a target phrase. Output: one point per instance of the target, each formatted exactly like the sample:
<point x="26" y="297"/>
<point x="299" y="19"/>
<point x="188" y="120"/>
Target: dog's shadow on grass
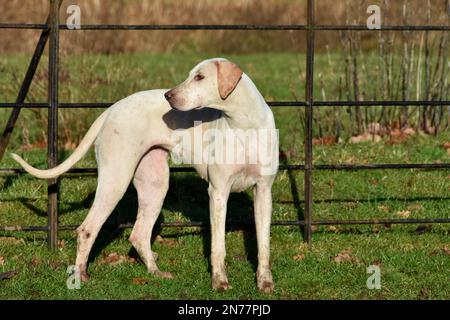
<point x="188" y="196"/>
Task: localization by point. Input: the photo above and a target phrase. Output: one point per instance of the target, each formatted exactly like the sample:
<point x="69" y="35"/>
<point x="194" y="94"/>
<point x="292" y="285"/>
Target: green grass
<point x="279" y="76"/>
<point x="413" y="264"/>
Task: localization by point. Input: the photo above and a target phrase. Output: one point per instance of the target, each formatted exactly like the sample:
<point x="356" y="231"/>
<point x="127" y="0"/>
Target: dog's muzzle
<point x="170" y="97"/>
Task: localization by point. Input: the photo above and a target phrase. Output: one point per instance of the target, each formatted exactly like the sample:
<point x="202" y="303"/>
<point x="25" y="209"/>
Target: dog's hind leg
<point x="152" y="182"/>
<point x="110" y="189"/>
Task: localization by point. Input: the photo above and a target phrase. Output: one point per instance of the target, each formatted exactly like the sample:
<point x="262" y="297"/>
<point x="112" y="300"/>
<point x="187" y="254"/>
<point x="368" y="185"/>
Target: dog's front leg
<point x="218" y="198"/>
<point x="263" y="213"/>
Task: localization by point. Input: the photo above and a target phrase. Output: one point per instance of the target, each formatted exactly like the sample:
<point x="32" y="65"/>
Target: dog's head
<point x="209" y="83"/>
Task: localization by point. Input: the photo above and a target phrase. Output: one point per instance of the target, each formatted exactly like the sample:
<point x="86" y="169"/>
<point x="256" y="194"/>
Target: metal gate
<point x="50" y="33"/>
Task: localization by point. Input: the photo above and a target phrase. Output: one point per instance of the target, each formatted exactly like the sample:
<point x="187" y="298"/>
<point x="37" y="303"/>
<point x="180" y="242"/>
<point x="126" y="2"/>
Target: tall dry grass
<point x="201" y="12"/>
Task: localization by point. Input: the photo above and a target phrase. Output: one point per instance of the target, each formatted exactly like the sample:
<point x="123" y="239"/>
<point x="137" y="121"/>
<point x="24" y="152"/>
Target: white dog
<point x="134" y="136"/>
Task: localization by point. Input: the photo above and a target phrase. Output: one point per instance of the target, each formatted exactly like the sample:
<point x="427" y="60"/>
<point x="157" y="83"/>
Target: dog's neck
<point x="245" y="107"/>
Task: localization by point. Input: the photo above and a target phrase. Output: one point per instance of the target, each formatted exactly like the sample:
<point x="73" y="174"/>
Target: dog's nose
<point x="168" y="95"/>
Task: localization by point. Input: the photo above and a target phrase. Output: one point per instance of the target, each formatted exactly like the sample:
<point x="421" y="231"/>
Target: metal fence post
<point x="309" y="120"/>
<point x="7" y="132"/>
<point x="52" y="156"/>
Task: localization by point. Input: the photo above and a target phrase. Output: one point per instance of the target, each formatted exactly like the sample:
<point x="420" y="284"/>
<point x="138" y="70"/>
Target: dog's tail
<point x="79" y="152"/>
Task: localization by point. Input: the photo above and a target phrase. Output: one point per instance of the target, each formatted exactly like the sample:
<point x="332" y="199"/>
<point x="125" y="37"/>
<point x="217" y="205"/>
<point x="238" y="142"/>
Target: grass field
<point x="279" y="76"/>
<point x="414" y="260"/>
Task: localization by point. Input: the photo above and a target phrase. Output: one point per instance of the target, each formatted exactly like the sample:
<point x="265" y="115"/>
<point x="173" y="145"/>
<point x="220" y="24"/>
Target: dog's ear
<point x="228" y="76"/>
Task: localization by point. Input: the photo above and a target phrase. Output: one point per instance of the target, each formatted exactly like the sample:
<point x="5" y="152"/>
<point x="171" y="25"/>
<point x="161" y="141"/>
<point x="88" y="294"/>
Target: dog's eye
<point x="199" y="77"/>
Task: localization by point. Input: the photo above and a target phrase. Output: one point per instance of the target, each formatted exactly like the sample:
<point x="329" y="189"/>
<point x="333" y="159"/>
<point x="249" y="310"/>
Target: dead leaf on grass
<point x="346" y="256"/>
<point x="115" y="259"/>
<point x="384" y="208"/>
<point x="8" y="274"/>
<point x="56" y="265"/>
<point x="12" y="240"/>
<point x="37" y="145"/>
<point x="333" y="229"/>
<point x="397" y="136"/>
<point x="331" y="183"/>
<point x="350" y="160"/>
<point x="445" y="251"/>
<point x="409" y="131"/>
<point x="35" y="262"/>
<point x="326" y="141"/>
<point x="139" y="281"/>
<point x="365" y="137"/>
<point x="2" y="260"/>
<point x="165" y="241"/>
<point x="424" y="294"/>
<point x="446" y="146"/>
<point x="376" y="263"/>
<point x="404" y="214"/>
<point x="299" y="257"/>
<point x="376" y="229"/>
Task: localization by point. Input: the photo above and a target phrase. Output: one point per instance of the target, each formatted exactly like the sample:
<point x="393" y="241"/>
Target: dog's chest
<point x="246" y="177"/>
<point x="244" y="155"/>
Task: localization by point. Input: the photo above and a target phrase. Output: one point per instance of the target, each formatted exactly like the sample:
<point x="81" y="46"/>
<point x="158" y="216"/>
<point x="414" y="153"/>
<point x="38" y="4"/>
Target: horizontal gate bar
<point x="382" y="166"/>
<point x="238" y="223"/>
<point x="386" y="103"/>
<point x="40" y="26"/>
<point x="93" y="105"/>
<point x="12" y="171"/>
<point x="363" y="27"/>
<point x="230" y="27"/>
<point x="270" y="103"/>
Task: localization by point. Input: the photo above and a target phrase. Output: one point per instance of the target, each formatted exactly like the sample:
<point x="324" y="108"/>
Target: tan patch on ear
<point x="228" y="76"/>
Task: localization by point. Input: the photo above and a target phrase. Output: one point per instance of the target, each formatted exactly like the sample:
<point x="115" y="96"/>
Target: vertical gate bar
<point x="7" y="132"/>
<point x="309" y="121"/>
<point x="52" y="152"/>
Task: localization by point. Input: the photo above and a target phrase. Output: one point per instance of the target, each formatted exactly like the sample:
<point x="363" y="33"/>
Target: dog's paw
<point x="265" y="281"/>
<point x="84" y="276"/>
<point x="220" y="283"/>
<point x="163" y="274"/>
<point x="222" y="286"/>
<point x="266" y="287"/>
